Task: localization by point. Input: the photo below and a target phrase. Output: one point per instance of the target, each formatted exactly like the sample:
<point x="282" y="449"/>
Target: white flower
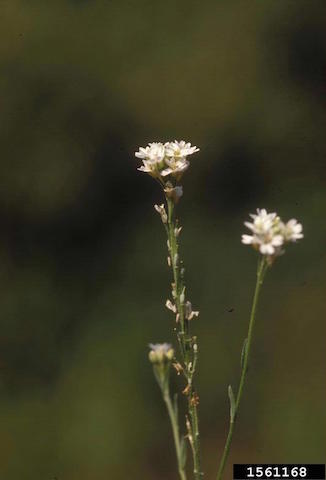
<point x="154" y="152"/>
<point x="292" y="230"/>
<point x="176" y="157"/>
<point x="152" y="157"/>
<point x="180" y="149"/>
<point x="262" y="222"/>
<point x="269" y="246"/>
<point x="269" y="233"/>
<point x="175" y="166"/>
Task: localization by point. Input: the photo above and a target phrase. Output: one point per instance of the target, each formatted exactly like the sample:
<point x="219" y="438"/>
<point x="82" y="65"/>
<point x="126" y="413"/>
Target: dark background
<point x="83" y="255"/>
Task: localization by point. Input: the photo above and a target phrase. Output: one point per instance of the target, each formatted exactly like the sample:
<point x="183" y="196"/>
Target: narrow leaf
<point x="232" y="403"/>
<point x="183" y="452"/>
<point x="243" y="351"/>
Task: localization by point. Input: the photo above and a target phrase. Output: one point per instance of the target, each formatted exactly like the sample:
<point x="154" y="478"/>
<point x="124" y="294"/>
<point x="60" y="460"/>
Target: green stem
<point x="260" y="277"/>
<point x="175" y="267"/>
<point x="196" y="441"/>
<point x="184" y="339"/>
<point x="176" y="435"/>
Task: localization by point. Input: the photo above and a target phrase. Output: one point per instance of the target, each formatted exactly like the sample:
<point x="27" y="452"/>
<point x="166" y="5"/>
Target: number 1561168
<point x="279" y="471"/>
<point x="276" y="472"/>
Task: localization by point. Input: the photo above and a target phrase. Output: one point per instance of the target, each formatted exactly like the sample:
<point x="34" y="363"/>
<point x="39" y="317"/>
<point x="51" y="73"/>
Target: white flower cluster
<point x="269" y="233"/>
<point x="164" y="160"/>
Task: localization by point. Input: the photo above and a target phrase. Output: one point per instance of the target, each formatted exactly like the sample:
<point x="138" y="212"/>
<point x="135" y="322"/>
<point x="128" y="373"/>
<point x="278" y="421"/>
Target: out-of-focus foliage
<point x="82" y="259"/>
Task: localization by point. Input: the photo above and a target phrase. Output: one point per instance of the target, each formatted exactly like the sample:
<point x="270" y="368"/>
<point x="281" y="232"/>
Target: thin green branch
<point x="261" y="270"/>
<point x="178" y="442"/>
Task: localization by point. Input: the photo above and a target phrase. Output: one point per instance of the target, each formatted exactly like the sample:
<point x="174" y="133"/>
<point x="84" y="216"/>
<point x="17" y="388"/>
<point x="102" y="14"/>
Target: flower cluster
<point x="160" y="352"/>
<point x="165" y="160"/>
<point x="270" y="233"/>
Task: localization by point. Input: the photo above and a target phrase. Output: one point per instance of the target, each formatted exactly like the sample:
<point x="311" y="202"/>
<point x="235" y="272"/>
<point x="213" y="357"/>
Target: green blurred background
<point x="83" y="262"/>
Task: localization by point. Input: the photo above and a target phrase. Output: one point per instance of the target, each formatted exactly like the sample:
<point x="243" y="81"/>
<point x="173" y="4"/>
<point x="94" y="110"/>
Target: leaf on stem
<point x="232" y="403"/>
<point x="183" y="452"/>
<point x="243" y="351"/>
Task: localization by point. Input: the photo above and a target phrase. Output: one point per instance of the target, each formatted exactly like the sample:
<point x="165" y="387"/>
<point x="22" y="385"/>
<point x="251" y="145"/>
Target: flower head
<point x="165" y="160"/>
<point x="160" y="352"/>
<point x="269" y="233"/>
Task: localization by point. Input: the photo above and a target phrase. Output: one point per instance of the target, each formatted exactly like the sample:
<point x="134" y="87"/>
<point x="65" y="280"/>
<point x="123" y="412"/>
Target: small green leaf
<point x="183" y="452"/>
<point x="243" y="351"/>
<point x="232" y="403"/>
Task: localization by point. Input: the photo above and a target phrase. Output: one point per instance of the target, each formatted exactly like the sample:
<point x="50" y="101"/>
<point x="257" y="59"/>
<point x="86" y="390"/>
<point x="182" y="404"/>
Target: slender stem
<point x="176" y="435"/>
<point x="196" y="451"/>
<point x="260" y="277"/>
<point x="185" y="340"/>
<point x="173" y="246"/>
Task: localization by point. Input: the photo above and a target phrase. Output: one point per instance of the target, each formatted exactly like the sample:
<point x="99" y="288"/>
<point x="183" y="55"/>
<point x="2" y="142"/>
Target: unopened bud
<point x="160" y="353"/>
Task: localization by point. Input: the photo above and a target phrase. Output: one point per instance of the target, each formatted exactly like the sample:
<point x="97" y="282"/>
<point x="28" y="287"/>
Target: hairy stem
<point x="247" y="345"/>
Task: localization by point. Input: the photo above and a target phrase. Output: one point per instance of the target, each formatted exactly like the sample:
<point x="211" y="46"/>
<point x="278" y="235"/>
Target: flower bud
<point x="160" y="353"/>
